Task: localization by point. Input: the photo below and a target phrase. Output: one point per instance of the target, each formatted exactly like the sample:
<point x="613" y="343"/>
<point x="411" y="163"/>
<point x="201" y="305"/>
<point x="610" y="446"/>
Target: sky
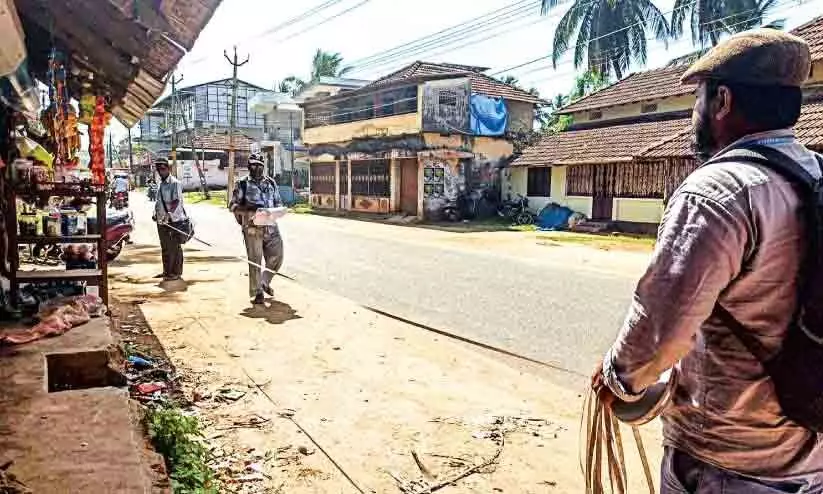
<point x="361" y="28"/>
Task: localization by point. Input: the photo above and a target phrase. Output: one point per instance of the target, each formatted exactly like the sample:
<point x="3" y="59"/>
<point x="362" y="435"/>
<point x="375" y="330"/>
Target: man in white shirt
<point x="168" y="211"/>
<point x="121" y="184"/>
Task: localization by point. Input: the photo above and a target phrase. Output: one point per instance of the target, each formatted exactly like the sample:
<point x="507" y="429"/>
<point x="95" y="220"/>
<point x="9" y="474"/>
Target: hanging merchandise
<point x="87" y="103"/>
<point x="96" y="149"/>
<point x="60" y="117"/>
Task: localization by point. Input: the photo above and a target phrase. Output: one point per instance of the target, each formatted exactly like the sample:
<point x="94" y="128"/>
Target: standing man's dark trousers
<point x="684" y="474"/>
<point x="264" y="247"/>
<point x="171" y="251"/>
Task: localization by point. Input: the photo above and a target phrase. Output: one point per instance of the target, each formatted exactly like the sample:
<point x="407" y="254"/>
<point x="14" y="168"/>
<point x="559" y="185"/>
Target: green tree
<point x="709" y="20"/>
<point x="542" y="112"/>
<point x="323" y="64"/>
<point x="587" y="83"/>
<point x="608" y="35"/>
<point x="327" y="64"/>
<point x="291" y="85"/>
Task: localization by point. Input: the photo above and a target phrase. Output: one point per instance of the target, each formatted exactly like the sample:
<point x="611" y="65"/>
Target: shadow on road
<point x="274" y="312"/>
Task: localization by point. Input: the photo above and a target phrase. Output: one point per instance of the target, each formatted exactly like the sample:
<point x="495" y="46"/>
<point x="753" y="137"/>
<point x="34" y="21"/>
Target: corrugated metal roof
<point x="130" y="46"/>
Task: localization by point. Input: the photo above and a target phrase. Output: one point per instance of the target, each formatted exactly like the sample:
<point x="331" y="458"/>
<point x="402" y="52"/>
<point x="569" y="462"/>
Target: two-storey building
<point x="629" y="145"/>
<point x="203" y="112"/>
<point x="414" y="140"/>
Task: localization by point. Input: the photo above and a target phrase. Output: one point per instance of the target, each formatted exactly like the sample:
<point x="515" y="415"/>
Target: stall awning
<point x="130" y="46"/>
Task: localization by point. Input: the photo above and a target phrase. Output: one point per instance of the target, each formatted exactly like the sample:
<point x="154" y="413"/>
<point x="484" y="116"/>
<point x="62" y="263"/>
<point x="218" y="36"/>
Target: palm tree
<point x="291" y="85"/>
<point x="610" y="34"/>
<point x="711" y="19"/>
<point x="559" y="101"/>
<point x="587" y="83"/>
<point x="324" y="64"/>
<point x="327" y="64"/>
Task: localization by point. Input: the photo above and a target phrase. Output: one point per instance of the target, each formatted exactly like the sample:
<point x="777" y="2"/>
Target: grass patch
<point x="493" y="224"/>
<point x="216" y="197"/>
<point x="177" y="437"/>
<point x="302" y="209"/>
<point x="601" y="241"/>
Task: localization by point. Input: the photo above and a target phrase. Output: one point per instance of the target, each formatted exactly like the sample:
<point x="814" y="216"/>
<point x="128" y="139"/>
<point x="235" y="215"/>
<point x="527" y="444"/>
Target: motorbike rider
<point x="264" y="245"/>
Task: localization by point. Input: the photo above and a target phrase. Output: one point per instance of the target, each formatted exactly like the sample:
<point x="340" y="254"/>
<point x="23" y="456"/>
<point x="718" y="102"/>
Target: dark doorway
<point x="408" y="185"/>
<point x="603" y="186"/>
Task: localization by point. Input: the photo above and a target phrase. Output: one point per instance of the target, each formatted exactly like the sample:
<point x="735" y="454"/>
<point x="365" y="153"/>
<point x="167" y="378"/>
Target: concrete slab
<point x="73" y="441"/>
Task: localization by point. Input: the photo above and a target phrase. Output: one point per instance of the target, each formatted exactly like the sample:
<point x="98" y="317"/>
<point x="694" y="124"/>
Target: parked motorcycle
<point x="152" y="191"/>
<point x="517" y="211"/>
<point x="120" y="200"/>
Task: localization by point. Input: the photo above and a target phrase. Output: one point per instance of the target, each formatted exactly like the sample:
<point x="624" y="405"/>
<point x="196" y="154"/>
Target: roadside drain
<point x="81" y="370"/>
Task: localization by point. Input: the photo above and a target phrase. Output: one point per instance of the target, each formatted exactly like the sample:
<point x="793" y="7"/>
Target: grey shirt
<point x="170" y="190"/>
<point x="730" y="233"/>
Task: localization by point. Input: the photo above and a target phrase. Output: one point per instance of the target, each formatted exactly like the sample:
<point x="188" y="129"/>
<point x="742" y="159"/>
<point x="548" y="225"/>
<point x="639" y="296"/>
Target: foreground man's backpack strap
<point x="797" y="369"/>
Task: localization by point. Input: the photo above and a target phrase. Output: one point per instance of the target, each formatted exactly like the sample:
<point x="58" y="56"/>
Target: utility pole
<point x="111" y="154"/>
<point x="232" y="118"/>
<point x="192" y="133"/>
<point x="291" y="154"/>
<point x="174" y="82"/>
<point x="131" y="159"/>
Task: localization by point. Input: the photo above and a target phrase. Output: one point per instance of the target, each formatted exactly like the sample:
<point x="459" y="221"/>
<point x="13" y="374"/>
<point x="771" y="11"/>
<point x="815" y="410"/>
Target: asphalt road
<point x="561" y="312"/>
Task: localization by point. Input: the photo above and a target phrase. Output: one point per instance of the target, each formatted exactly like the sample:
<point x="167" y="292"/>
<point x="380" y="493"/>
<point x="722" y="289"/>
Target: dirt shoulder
<point x="321" y="395"/>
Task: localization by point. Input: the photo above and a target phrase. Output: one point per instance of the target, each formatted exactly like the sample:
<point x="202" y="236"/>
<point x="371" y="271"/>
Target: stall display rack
<point x="94" y="277"/>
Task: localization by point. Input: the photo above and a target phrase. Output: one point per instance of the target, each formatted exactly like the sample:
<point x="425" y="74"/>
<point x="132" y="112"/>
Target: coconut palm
<point x="587" y="83"/>
<point x="709" y="20"/>
<point x="324" y="64"/>
<point x="327" y="64"/>
<point x="291" y="85"/>
<point x="607" y="34"/>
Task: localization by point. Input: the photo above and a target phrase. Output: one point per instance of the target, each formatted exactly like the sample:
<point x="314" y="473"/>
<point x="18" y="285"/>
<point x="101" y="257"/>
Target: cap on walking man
<point x="728" y="256"/>
<point x="264" y="245"/>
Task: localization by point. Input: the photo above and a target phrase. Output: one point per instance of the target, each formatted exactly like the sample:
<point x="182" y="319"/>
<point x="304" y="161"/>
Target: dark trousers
<point x="171" y="251"/>
<point x="684" y="474"/>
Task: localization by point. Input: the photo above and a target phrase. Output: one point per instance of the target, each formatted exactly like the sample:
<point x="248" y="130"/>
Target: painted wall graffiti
<point x="472" y="184"/>
<point x="443" y="180"/>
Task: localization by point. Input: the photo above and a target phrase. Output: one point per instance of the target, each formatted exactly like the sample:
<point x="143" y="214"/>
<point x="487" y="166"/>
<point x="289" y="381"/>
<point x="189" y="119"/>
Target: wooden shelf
<point x="73" y="239"/>
<point x="59" y="274"/>
<point x="63" y="189"/>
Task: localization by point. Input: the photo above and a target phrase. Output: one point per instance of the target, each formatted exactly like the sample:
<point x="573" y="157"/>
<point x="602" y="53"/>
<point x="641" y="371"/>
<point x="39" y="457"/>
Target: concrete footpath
<point x="324" y="396"/>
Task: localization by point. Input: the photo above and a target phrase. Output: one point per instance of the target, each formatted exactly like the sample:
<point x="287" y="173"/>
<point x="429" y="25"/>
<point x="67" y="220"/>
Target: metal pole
<point x="174" y="82"/>
<point x="131" y="159"/>
<point x="291" y="153"/>
<point x="232" y="119"/>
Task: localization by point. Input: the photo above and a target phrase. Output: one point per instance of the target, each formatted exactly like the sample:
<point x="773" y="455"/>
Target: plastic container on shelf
<point x="82" y="224"/>
<point x="69" y="222"/>
<point x="54" y="225"/>
<point x="27" y="224"/>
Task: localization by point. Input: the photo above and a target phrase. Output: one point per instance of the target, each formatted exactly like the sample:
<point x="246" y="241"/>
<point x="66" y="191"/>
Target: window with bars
<point x="322" y="178"/>
<point x="579" y="180"/>
<point x="364" y="107"/>
<point x="447" y="97"/>
<point x="539" y="182"/>
<point x="648" y="108"/>
<point x="370" y="178"/>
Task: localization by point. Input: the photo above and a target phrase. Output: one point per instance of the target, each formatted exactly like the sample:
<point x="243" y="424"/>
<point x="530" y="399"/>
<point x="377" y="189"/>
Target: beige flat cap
<point x="765" y="57"/>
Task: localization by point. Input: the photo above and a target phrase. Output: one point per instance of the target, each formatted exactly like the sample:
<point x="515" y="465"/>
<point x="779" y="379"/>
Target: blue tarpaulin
<point x="554" y="217"/>
<point x="489" y="116"/>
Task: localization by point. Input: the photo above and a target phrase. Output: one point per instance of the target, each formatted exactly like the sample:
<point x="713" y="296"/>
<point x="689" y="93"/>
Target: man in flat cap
<point x="264" y="245"/>
<point x="728" y="256"/>
<point x="169" y="214"/>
